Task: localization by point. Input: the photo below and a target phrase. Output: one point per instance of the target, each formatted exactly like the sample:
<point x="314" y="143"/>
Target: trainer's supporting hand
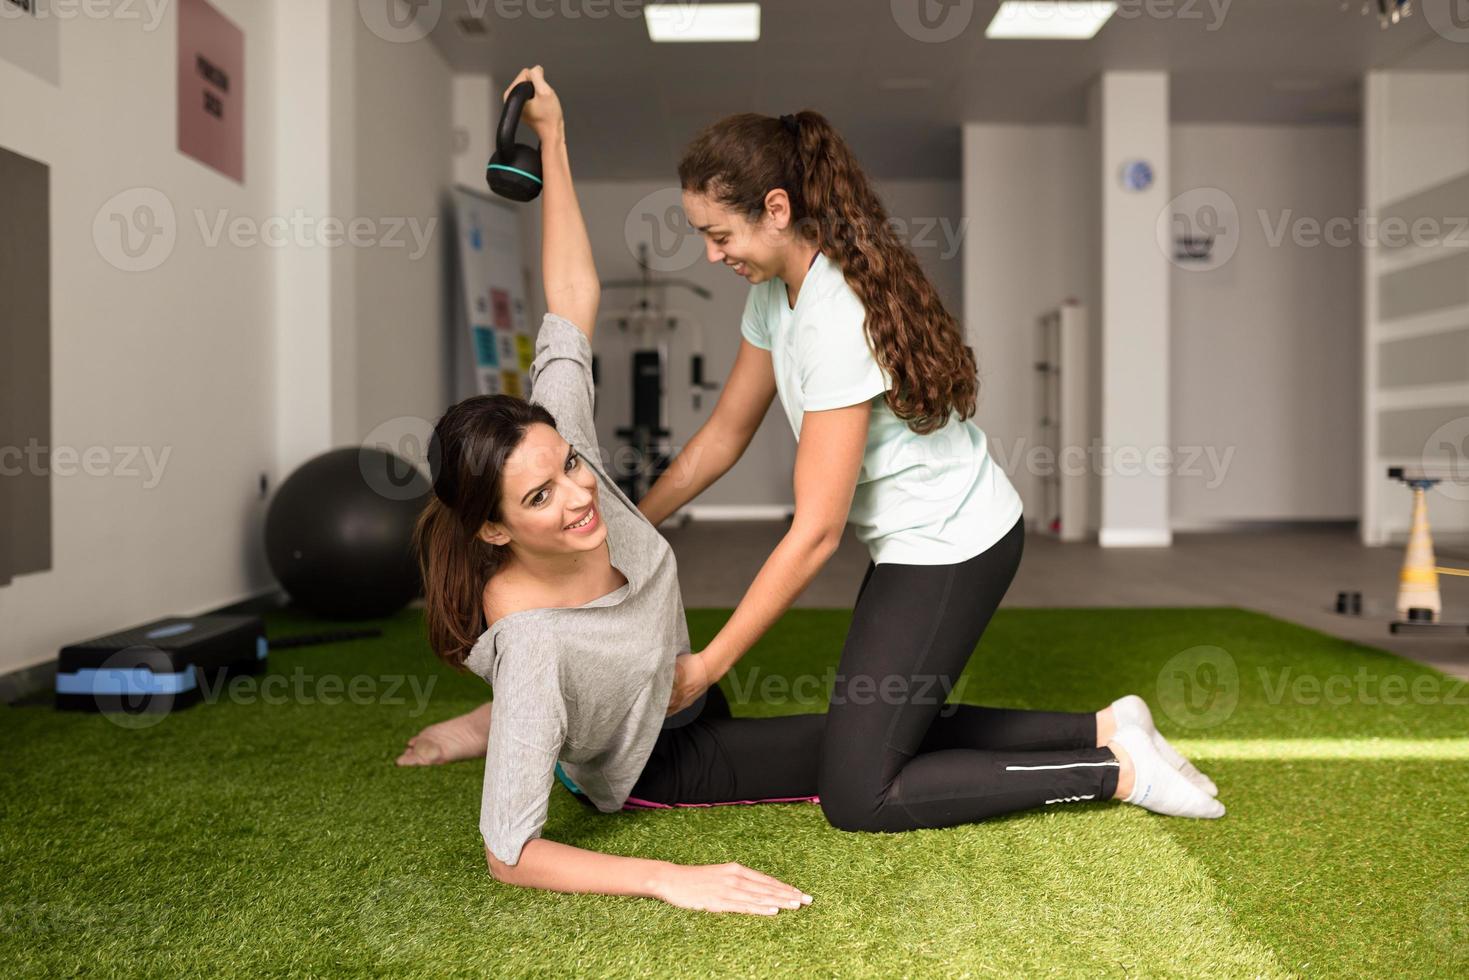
<point x="542" y="113"/>
<point x="690" y="680"/>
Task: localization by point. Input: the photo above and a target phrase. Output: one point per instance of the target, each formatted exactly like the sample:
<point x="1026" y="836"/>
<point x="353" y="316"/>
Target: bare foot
<point x="464" y="737"/>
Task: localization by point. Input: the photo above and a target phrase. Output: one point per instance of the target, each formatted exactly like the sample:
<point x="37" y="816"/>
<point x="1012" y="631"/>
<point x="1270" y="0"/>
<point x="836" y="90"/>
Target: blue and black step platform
<point x="160" y="666"/>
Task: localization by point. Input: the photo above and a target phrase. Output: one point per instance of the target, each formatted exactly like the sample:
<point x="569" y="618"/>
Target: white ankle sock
<point x="1157" y="786"/>
<point x="1133" y="710"/>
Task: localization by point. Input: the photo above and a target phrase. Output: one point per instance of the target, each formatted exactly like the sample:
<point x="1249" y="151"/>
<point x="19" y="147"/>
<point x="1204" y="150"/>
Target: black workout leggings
<point x="889" y="754"/>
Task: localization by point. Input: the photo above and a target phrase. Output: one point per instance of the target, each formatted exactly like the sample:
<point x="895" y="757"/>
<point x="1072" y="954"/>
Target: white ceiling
<point x="631" y="104"/>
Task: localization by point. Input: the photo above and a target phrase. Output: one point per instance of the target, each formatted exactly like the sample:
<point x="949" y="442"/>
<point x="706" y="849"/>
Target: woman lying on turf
<point x="545" y="580"/>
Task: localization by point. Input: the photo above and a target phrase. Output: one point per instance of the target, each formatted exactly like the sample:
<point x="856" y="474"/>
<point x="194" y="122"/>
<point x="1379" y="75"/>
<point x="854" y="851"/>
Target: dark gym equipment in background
<point x="339" y="533"/>
<point x="649" y="321"/>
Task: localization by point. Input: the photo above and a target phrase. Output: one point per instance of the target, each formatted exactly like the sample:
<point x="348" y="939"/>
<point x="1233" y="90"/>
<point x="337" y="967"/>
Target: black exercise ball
<point x="339" y="533"/>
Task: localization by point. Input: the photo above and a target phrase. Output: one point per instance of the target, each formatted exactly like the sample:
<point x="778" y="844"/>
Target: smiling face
<point x="549" y="503"/>
<point x="753" y="249"/>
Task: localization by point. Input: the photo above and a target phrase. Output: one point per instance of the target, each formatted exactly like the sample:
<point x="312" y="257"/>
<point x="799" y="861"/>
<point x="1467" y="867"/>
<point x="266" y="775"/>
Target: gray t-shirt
<point x="586" y="685"/>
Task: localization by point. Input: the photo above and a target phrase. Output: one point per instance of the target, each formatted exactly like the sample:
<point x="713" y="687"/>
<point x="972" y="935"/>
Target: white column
<point x="347" y="27"/>
<point x="1132" y="110"/>
<point x="314" y="330"/>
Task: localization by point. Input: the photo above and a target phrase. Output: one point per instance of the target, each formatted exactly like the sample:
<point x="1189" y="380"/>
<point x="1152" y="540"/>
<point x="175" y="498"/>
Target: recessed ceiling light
<point x="703" y="21"/>
<point x="1049" y="21"/>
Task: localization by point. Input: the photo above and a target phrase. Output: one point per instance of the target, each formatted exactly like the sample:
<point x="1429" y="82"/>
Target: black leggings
<point x="890" y="754"/>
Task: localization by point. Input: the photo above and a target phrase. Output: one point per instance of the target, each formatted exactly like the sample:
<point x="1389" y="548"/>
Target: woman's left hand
<point x="690" y="680"/>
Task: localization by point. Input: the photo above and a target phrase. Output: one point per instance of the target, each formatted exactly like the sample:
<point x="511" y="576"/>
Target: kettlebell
<point x="515" y="169"/>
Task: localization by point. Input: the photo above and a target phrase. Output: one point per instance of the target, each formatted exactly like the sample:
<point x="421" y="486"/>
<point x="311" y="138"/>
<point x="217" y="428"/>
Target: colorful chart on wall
<point x="211" y="68"/>
<point x="492" y="294"/>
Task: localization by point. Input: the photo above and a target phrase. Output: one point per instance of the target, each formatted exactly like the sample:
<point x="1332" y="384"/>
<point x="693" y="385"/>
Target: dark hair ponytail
<point x="467" y="455"/>
<point x="740" y="159"/>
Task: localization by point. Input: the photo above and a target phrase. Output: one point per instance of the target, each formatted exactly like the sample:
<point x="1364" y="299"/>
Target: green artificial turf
<point x="245" y="837"/>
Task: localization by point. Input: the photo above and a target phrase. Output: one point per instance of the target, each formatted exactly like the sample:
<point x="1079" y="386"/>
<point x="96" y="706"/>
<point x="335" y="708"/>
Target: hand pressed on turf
<point x="690" y="680"/>
<point x="726" y="888"/>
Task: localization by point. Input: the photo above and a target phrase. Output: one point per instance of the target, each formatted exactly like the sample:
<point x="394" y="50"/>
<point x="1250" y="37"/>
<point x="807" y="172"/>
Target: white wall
<point x="930" y="216"/>
<point x="227" y="360"/>
<point x="1027" y="201"/>
<point x="1265" y="363"/>
<point x="367" y="142"/>
<point x="1045" y="208"/>
<point x="1035" y="197"/>
<point x="175" y="360"/>
<point x="404" y="147"/>
<point x="1415" y="155"/>
<point x="1263" y="360"/>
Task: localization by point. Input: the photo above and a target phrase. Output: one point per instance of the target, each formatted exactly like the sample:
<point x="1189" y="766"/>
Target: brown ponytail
<point x="740" y="159"/>
<point x="467" y="455"/>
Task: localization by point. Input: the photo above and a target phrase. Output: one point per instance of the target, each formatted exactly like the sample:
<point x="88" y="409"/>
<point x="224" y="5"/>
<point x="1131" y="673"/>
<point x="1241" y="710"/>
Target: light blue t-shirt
<point x="934" y="499"/>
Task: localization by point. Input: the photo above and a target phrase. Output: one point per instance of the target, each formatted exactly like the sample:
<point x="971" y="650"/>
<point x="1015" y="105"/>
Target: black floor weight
<point x="515" y="169"/>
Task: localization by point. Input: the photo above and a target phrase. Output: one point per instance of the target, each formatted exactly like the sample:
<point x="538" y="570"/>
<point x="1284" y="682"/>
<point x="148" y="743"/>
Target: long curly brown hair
<point x="740" y="159"/>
